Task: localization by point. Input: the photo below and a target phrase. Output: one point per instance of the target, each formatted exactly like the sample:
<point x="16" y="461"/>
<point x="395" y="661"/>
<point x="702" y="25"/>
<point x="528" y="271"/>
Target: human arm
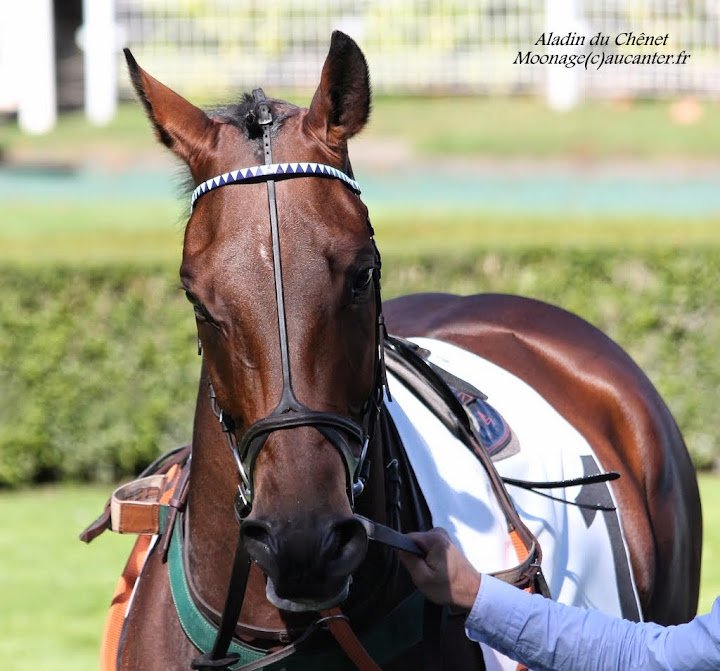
<point x="546" y="635"/>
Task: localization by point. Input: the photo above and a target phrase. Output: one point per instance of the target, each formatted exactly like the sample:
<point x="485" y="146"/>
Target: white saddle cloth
<point x="579" y="562"/>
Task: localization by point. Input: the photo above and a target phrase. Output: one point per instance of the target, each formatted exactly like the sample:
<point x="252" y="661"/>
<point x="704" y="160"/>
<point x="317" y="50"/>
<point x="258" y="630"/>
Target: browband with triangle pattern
<point x="274" y="170"/>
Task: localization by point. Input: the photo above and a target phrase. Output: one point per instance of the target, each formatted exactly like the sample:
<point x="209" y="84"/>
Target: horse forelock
<point x="236" y="114"/>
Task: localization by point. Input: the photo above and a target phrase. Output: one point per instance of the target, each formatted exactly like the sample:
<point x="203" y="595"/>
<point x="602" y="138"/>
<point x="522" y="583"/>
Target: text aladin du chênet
<point x="599" y="58"/>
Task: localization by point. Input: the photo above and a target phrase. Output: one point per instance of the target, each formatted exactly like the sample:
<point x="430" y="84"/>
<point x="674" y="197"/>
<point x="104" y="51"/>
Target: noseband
<point x="289" y="412"/>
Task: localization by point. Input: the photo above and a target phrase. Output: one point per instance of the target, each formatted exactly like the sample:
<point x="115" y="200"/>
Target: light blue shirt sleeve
<point x="548" y="636"/>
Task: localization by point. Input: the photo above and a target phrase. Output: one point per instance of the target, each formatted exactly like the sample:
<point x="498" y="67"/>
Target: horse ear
<point x="178" y="124"/>
<point x="340" y="107"/>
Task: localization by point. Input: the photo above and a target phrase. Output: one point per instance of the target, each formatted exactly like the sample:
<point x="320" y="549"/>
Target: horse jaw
<point x="304" y="605"/>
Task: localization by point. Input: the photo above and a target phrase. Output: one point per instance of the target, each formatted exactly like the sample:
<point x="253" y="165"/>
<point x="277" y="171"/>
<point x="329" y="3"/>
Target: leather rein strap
<point x="340" y="628"/>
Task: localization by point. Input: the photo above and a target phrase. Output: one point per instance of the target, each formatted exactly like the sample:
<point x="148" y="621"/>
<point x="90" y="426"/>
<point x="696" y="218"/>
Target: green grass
<point x="102" y="232"/>
<point x="437" y="233"/>
<point x="527" y="127"/>
<point x="129" y="131"/>
<point x="90" y="232"/>
<point x="56" y="590"/>
<point x="470" y="126"/>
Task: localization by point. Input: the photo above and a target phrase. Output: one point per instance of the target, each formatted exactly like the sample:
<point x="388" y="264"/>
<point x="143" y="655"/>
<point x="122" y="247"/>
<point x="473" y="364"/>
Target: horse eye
<point x="192" y="300"/>
<point x="363" y="281"/>
<point x="200" y="310"/>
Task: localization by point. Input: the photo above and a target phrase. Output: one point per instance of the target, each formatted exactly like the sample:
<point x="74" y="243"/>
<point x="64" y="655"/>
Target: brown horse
<point x="283" y="275"/>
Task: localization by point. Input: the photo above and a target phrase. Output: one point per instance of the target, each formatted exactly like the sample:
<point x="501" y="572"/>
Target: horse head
<point x="282" y="274"/>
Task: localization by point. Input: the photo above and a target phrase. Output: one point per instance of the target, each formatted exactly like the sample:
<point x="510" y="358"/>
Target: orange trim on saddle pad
<point x="522" y="553"/>
<point x="115" y="619"/>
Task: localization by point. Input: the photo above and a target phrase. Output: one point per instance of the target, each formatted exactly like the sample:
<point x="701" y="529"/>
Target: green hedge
<point x="97" y="371"/>
<point x="99" y="366"/>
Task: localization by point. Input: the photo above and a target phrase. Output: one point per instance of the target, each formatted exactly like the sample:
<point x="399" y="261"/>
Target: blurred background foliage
<point x="100" y="369"/>
<point x="97" y="348"/>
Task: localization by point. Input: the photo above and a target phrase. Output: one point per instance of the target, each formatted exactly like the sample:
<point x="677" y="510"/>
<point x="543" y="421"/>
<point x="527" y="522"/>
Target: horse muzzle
<point x="305" y="605"/>
<point x="308" y="566"/>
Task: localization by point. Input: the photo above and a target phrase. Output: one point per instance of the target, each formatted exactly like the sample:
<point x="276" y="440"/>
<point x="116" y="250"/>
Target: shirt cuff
<point x="503" y="607"/>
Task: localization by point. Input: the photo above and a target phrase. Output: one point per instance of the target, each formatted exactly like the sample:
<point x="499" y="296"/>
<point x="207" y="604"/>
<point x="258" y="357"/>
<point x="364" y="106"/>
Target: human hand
<point x="444" y="575"/>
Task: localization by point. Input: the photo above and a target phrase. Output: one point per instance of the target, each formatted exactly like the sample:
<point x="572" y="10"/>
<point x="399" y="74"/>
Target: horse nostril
<point x="346" y="532"/>
<point x="346" y="545"/>
<point x="258" y="541"/>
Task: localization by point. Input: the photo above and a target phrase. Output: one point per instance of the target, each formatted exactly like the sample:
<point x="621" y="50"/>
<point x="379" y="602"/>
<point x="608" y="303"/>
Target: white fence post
<point x="9" y="38"/>
<point x="562" y="84"/>
<point x="35" y="63"/>
<point x="99" y="42"/>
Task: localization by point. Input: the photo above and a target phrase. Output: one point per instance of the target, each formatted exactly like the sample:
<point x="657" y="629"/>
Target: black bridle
<point x="340" y="431"/>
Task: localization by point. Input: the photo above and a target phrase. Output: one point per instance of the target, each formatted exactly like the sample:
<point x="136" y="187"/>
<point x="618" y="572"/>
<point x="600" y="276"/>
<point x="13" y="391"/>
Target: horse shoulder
<point x="600" y="390"/>
<point x="153" y="634"/>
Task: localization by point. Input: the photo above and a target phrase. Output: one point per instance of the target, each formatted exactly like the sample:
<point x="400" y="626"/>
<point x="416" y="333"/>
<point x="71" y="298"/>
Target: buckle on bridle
<point x="244" y="489"/>
<point x="242" y="506"/>
<point x="263" y="116"/>
<point x="361" y="474"/>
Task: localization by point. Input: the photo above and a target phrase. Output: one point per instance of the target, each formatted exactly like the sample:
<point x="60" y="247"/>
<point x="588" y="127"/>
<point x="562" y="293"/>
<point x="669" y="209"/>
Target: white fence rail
<point x="455" y="46"/>
<point x="213" y="48"/>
